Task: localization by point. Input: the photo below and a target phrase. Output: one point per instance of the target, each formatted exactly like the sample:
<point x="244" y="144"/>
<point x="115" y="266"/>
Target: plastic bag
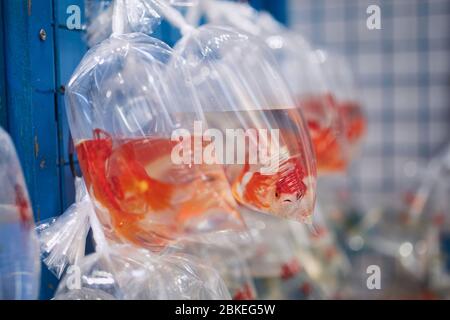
<point x="423" y="240"/>
<point x="288" y="188"/>
<point x="277" y="266"/>
<point x="124" y="108"/>
<point x="300" y="66"/>
<point x="63" y="239"/>
<point x="19" y="249"/>
<point x="98" y="21"/>
<point x="138" y="16"/>
<point x="125" y="272"/>
<point x="228" y="260"/>
<point x="84" y="294"/>
<point x="263" y="140"/>
<point x="294" y="167"/>
<point x="120" y="271"/>
<point x="331" y="264"/>
<point x="183" y="3"/>
<point x="430" y="201"/>
<point x="341" y="79"/>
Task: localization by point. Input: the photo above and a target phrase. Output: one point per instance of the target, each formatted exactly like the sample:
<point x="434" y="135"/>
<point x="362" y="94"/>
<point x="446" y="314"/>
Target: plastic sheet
<point x="19" y="250"/>
<point x="247" y="103"/>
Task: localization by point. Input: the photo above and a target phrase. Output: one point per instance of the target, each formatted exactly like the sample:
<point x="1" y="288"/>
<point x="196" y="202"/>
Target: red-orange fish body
<point x="142" y="191"/>
<point x="279" y="193"/>
<point x="326" y="130"/>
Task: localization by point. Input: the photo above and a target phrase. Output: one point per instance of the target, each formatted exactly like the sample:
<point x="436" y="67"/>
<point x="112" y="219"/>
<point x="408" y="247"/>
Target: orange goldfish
<point x="354" y="121"/>
<point x="329" y="153"/>
<point x="325" y="128"/>
<point x="148" y="199"/>
<point x="284" y="193"/>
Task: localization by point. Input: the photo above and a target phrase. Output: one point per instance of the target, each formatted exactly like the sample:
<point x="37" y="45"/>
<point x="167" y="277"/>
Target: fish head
<point x="286" y="204"/>
<point x="288" y="189"/>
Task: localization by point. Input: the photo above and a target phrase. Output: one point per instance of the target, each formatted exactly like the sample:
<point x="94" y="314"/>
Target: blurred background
<point x="403" y="72"/>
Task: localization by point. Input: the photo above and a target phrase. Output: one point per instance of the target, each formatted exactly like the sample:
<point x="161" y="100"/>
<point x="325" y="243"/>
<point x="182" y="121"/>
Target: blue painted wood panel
<point x="3" y="114"/>
<point x="30" y="87"/>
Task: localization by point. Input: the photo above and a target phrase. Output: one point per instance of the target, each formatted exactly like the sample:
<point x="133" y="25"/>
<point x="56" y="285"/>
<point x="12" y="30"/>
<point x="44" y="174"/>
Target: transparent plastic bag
<point x="278" y="263"/>
<point x="245" y="100"/>
<point x="137" y="16"/>
<point x="19" y="250"/>
<point x="413" y="229"/>
<point x="125" y="272"/>
<point x="124" y="107"/>
<point x="404" y="249"/>
<point x="63" y="239"/>
<point x="331" y="263"/>
<point x="273" y="252"/>
<point x="428" y="223"/>
<point x="348" y="103"/>
<point x="300" y="66"/>
<point x="120" y="271"/>
<point x="430" y="202"/>
<point x="226" y="259"/>
<point x="286" y="187"/>
<point x="184" y="3"/>
<point x="98" y="21"/>
<point x="84" y="294"/>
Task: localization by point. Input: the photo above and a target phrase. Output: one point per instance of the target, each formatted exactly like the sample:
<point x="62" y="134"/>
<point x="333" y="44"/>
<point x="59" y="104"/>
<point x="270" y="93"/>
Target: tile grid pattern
<point x="403" y="73"/>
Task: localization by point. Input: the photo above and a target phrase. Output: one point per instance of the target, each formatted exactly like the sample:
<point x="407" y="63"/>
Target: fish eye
<point x="277" y="195"/>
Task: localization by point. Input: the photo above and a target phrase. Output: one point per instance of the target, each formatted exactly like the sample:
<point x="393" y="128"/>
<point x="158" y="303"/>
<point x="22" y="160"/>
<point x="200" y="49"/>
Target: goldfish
<point x="286" y="193"/>
<point x="325" y="129"/>
<point x="354" y="121"/>
<point x="145" y="197"/>
<point x="328" y="149"/>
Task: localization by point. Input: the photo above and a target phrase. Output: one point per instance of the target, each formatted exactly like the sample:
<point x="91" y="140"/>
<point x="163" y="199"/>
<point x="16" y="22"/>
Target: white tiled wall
<point x="403" y="72"/>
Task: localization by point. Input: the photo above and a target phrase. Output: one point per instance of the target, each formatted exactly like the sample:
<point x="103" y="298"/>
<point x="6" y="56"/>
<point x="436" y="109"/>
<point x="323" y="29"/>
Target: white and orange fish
<point x="146" y="198"/>
<point x="287" y="193"/>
